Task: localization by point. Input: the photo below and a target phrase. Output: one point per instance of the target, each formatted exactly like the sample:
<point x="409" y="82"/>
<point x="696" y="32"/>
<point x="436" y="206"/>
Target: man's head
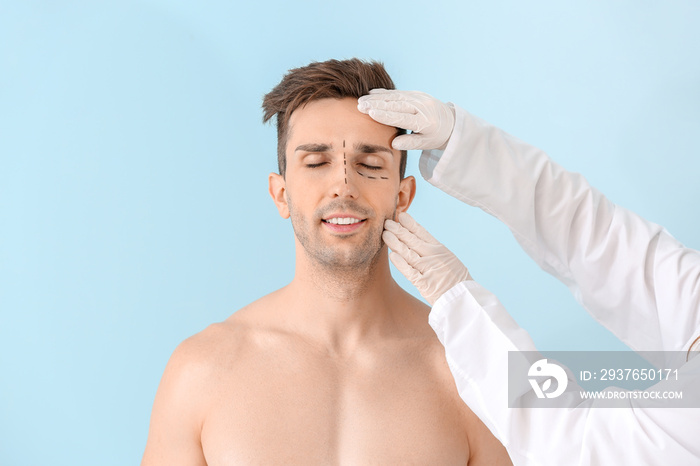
<point x="332" y="79"/>
<point x="340" y="177"/>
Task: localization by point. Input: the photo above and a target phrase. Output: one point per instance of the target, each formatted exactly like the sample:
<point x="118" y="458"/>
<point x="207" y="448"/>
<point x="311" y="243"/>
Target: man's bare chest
<point x="293" y="408"/>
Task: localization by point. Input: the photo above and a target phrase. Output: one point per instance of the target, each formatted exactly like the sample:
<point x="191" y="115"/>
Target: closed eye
<point x="315" y="165"/>
<point x="369" y="167"/>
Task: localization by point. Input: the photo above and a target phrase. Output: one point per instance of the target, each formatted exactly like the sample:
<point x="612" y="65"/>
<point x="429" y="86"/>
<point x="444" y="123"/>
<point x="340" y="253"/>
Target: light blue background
<point x="133" y="172"/>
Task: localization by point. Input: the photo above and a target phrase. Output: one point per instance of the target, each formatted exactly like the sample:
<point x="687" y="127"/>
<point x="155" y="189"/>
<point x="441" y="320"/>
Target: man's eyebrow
<point x="365" y="148"/>
<point x="314" y="147"/>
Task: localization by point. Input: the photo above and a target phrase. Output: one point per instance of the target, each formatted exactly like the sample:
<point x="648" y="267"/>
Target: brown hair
<point x="335" y="79"/>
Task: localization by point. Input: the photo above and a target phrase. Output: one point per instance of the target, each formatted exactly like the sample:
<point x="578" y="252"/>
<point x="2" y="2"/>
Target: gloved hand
<point x="430" y="120"/>
<point x="430" y="266"/>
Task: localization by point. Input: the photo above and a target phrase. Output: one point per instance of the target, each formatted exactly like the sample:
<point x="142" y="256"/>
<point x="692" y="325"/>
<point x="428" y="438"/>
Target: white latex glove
<point x="430" y="120"/>
<point x="430" y="266"/>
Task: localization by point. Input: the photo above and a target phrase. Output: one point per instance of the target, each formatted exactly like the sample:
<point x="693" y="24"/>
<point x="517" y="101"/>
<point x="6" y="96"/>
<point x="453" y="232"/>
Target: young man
<point x="341" y="365"/>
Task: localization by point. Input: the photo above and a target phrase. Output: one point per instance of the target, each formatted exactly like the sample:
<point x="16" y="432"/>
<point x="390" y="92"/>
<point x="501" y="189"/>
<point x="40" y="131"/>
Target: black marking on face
<point x="367" y="176"/>
<point x="345" y="167"/>
<point x="370" y="177"/>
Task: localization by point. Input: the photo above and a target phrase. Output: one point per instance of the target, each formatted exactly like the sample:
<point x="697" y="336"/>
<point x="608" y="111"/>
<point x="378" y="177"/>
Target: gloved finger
<point x="375" y="95"/>
<point x="400" y="106"/>
<point x="399" y="120"/>
<point x="402" y="233"/>
<point x="414" y="227"/>
<point x="414" y="243"/>
<point x="388" y="94"/>
<point x="399" y="247"/>
<point x="363" y="106"/>
<point x="410" y="142"/>
<point x="407" y="142"/>
<point x="405" y="268"/>
<point x="363" y="103"/>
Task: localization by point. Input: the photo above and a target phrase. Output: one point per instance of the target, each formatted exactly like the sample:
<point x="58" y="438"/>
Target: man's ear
<point x="407" y="191"/>
<point x="278" y="191"/>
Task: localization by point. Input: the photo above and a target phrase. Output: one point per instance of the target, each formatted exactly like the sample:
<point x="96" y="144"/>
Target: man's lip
<point x="342" y="216"/>
<point x="343" y="228"/>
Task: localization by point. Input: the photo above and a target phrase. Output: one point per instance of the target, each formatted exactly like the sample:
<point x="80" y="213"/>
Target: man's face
<point x="342" y="182"/>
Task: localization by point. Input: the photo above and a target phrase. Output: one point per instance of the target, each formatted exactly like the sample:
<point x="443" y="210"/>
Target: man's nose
<point x="344" y="183"/>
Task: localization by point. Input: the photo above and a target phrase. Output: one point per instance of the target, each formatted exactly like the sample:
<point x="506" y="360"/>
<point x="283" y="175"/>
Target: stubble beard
<point x="335" y="260"/>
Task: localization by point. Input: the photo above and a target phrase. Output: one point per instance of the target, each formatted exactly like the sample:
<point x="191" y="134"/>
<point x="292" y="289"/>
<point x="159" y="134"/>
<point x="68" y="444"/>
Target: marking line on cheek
<point x="345" y="168"/>
<point x="366" y="176"/>
<point x="345" y="163"/>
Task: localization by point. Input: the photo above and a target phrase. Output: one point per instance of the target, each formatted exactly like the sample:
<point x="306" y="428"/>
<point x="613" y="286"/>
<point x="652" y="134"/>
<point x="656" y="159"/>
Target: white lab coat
<point x="630" y="274"/>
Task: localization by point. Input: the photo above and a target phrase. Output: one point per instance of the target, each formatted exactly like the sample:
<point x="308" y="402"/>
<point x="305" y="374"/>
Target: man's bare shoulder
<point x="196" y="378"/>
<point x="222" y="339"/>
<point x="224" y="342"/>
<point x="415" y="305"/>
<point x="196" y="361"/>
<point x="259" y="326"/>
<point x="414" y="314"/>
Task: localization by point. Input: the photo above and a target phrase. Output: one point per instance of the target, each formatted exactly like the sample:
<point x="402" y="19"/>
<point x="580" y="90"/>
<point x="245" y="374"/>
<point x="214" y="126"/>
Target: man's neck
<point x="342" y="309"/>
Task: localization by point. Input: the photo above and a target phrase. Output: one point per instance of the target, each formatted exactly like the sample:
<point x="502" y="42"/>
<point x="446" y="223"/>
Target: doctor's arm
<point x="477" y="333"/>
<point x="623" y="269"/>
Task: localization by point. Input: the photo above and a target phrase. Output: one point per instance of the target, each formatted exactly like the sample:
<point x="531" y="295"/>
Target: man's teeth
<point x="343" y="220"/>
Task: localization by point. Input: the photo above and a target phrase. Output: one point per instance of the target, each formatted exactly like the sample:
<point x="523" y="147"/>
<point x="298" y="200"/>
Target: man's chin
<point x="347" y="259"/>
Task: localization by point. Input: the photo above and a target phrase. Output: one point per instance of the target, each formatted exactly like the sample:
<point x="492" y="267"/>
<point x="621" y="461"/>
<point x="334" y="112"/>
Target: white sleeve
<point x="630" y="274"/>
<point x="478" y="333"/>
